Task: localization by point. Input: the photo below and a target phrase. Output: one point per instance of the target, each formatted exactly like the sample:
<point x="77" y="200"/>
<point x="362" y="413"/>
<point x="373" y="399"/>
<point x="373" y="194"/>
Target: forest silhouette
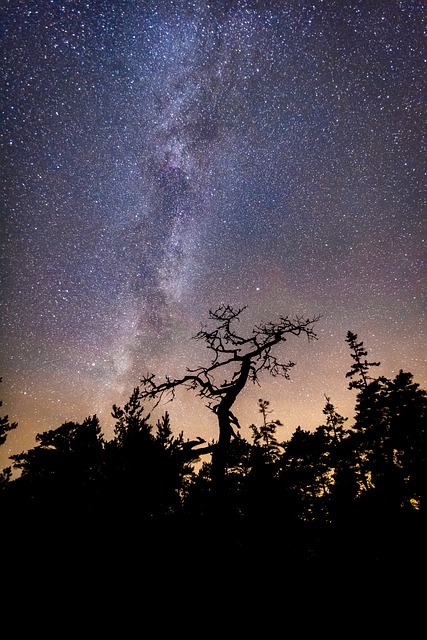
<point x="337" y="496"/>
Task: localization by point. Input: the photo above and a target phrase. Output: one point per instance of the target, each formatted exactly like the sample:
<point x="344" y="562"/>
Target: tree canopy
<point x="355" y="491"/>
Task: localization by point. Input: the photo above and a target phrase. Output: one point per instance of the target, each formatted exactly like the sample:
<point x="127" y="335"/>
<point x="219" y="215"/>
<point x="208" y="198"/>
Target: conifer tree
<point x="265" y="435"/>
<point x="5" y="425"/>
<point x="360" y="367"/>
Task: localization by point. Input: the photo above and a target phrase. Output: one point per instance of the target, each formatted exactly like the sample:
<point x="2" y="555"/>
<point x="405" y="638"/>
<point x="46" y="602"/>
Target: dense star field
<point x="162" y="158"/>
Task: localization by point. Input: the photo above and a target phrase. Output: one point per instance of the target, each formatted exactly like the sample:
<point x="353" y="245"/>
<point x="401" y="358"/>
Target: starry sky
<point x="160" y="158"/>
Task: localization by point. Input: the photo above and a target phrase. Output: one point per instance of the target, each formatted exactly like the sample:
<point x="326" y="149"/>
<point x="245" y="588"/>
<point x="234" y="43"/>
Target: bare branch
<point x="248" y="355"/>
<point x="242" y="359"/>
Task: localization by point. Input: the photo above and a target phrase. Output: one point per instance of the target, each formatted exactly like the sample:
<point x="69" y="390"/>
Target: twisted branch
<point x="251" y="355"/>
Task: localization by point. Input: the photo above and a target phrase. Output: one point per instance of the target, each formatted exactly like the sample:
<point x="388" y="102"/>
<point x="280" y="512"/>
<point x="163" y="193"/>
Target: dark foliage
<point x="337" y="496"/>
<point x="5" y="427"/>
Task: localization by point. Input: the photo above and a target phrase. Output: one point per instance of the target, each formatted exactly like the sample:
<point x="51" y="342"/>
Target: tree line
<point x="338" y="493"/>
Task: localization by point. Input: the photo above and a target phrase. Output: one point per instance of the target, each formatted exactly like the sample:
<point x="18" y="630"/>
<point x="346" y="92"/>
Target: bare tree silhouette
<point x="236" y="360"/>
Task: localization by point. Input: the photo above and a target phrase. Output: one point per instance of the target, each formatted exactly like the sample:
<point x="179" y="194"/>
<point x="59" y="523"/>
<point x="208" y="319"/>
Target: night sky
<point x="162" y="158"/>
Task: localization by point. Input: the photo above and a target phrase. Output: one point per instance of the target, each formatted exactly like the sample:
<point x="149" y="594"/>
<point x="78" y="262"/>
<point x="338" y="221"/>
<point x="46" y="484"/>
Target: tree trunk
<point x="220" y="455"/>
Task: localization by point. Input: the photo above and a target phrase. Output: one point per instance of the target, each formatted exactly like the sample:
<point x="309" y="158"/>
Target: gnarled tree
<point x="235" y="360"/>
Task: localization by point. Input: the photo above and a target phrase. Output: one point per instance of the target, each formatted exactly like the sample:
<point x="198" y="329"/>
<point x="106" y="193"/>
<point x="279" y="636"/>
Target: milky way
<point x="162" y="158"/>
